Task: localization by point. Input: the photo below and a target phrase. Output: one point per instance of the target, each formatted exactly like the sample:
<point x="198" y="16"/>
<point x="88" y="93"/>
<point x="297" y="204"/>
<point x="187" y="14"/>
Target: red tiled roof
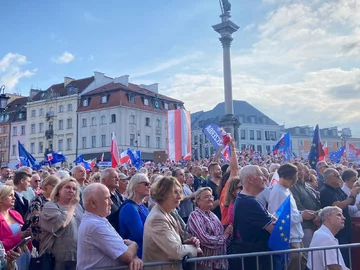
<point x="118" y="96"/>
<point x="60" y="90"/>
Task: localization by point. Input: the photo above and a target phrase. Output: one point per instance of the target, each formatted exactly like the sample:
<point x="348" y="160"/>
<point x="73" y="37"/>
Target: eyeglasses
<point x="147" y="184"/>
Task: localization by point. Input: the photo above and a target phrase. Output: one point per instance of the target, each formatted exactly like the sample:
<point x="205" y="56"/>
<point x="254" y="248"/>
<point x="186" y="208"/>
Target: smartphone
<point x="22" y="243"/>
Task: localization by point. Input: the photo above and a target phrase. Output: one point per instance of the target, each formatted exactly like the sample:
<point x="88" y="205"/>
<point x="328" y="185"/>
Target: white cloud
<point x="64" y="58"/>
<point x="11" y="70"/>
<point x="302" y="70"/>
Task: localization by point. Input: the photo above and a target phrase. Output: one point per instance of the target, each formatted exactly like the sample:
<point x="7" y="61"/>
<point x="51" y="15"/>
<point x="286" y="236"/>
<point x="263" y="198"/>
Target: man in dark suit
<point x="21" y="183"/>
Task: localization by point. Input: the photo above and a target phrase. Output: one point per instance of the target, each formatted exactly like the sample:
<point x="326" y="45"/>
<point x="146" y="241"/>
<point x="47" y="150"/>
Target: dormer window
<point x="85" y="103"/>
<point x="146" y="102"/>
<point x="132" y="98"/>
<point x="166" y="105"/>
<point x="21" y="115"/>
<point x="104" y="99"/>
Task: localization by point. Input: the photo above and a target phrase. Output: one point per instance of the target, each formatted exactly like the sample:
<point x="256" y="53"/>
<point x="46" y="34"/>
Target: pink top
<point x="231" y="213"/>
<point x="6" y="236"/>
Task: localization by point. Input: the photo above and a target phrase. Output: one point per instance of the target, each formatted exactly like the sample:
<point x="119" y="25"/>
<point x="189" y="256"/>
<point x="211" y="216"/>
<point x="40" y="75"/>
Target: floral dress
<point x="35" y="209"/>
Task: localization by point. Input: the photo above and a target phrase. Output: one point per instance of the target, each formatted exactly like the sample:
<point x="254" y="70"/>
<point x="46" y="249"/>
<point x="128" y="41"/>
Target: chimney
<point x="151" y="87"/>
<point x="98" y="75"/>
<point x="122" y="79"/>
<point x="67" y="80"/>
<point x="33" y="92"/>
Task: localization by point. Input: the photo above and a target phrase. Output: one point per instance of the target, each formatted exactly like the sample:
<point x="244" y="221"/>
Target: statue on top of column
<point x="225" y="6"/>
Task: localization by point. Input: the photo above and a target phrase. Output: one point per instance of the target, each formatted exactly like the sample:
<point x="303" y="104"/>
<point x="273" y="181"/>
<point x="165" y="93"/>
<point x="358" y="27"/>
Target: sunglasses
<point x="147" y="184"/>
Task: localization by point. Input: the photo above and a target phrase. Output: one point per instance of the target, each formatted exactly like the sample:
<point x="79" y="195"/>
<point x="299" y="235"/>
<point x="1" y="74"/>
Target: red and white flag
<point x="326" y="152"/>
<point x="179" y="134"/>
<point x="92" y="163"/>
<point x="114" y="151"/>
<point x="124" y="157"/>
<point x="187" y="156"/>
<point x="225" y="152"/>
<point x="102" y="157"/>
<point x="50" y="157"/>
<point x="275" y="179"/>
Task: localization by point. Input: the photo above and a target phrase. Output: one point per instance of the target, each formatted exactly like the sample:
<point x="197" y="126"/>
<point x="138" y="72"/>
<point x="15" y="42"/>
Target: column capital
<point x="226" y="41"/>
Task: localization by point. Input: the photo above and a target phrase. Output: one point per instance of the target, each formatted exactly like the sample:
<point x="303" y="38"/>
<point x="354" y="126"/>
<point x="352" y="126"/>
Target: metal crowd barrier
<point x="192" y="263"/>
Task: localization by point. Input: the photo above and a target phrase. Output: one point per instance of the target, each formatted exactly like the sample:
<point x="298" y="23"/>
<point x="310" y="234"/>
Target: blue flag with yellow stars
<point x="280" y="236"/>
<point x="316" y="150"/>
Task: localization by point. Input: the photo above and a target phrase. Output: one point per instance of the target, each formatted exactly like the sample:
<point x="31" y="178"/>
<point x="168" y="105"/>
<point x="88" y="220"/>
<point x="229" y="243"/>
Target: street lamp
<point x="3" y="99"/>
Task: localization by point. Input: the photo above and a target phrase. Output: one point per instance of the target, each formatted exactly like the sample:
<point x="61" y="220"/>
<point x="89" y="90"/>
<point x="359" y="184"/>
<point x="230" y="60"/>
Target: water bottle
<point x="2" y="259"/>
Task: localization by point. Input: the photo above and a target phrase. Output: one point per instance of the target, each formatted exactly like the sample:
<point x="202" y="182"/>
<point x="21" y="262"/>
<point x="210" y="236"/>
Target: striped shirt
<point x="208" y="229"/>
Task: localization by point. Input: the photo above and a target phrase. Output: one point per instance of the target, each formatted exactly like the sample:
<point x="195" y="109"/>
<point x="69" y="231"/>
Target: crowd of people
<point x="164" y="212"/>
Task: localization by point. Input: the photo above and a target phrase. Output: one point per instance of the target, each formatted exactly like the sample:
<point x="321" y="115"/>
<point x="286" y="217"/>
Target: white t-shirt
<point x="98" y="243"/>
<point x="324" y="237"/>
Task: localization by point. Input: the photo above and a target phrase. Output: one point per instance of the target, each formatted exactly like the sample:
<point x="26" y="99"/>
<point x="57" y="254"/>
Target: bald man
<point x="99" y="245"/>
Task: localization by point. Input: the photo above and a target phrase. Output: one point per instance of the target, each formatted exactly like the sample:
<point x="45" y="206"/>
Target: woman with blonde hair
<point x="59" y="222"/>
<point x="37" y="204"/>
<point x="162" y="240"/>
<point x="95" y="178"/>
<point x="207" y="227"/>
<point x="133" y="212"/>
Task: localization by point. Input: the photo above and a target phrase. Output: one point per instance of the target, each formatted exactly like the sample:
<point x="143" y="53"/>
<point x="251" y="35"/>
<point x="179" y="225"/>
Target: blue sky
<point x="295" y="60"/>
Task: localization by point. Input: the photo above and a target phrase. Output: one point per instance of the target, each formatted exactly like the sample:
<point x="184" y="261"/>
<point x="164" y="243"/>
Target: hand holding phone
<point x="22" y="243"/>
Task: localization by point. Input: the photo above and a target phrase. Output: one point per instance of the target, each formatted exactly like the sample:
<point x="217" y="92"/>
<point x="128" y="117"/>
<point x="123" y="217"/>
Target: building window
<point x="147" y="121"/>
<point x="103" y="140"/>
<point x="301" y="142"/>
<point x="41" y="112"/>
<point x="61" y="124"/>
<point x="252" y="135"/>
<point x="61" y="108"/>
<point x="243" y="147"/>
<point x="14" y="131"/>
<point x="41" y="147"/>
<point x="85" y="102"/>
<point x="22" y="130"/>
<point x="32" y="148"/>
<point x="103" y="119"/>
<point x="32" y="128"/>
<point x="4" y="130"/>
<point x="93" y="121"/>
<point x="132" y="139"/>
<point x="4" y="143"/>
<point x="51" y="125"/>
<point x="166" y="105"/>
<point x="146" y="102"/>
<point x="104" y="99"/>
<point x="83" y="142"/>
<point x="41" y="127"/>
<point x="132" y="119"/>
<point x="147" y="141"/>
<point x="242" y="134"/>
<point x="113" y="118"/>
<point x="270" y="135"/>
<point x="84" y="122"/>
<point x="60" y="145"/>
<point x="33" y="113"/>
<point x="158" y="145"/>
<point x="69" y="123"/>
<point x="93" y="141"/>
<point x="13" y="152"/>
<point x="259" y="148"/>
<point x="132" y="98"/>
<point x="68" y="144"/>
<point x="158" y="124"/>
<point x="258" y="135"/>
<point x="268" y="148"/>
<point x="21" y="115"/>
<point x="69" y="107"/>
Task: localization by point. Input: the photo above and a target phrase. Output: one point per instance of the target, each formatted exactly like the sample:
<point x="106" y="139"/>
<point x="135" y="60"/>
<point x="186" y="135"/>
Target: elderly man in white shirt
<point x="288" y="175"/>
<point x="333" y="221"/>
<point x="99" y="245"/>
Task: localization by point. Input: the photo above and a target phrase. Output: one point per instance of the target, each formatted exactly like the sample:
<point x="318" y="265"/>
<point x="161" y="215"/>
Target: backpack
<point x="113" y="218"/>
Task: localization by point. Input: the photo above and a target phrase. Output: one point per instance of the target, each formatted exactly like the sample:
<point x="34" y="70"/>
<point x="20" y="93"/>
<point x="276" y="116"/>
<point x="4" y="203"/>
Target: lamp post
<point x="3" y="104"/>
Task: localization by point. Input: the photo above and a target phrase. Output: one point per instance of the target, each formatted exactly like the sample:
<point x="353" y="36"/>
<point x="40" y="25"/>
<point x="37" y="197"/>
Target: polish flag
<point x="179" y="134"/>
<point x="93" y="162"/>
<point x="326" y="152"/>
<point x="124" y="157"/>
<point x="225" y="152"/>
<point x="114" y="151"/>
<point x="102" y="157"/>
<point x="187" y="156"/>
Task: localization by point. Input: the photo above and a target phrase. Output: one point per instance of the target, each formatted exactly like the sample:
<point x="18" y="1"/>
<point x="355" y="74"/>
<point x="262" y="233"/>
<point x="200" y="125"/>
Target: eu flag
<point x="280" y="236"/>
<point x="26" y="157"/>
<point x="79" y="159"/>
<point x="316" y="150"/>
<point x="135" y="157"/>
<point x="283" y="143"/>
<point x="336" y="155"/>
<point x="57" y="157"/>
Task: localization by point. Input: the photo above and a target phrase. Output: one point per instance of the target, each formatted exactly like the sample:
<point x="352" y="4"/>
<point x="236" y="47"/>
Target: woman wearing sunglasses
<point x="133" y="212"/>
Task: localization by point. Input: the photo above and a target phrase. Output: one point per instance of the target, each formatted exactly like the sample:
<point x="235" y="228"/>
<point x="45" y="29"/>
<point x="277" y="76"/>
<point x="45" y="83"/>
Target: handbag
<point x="45" y="262"/>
